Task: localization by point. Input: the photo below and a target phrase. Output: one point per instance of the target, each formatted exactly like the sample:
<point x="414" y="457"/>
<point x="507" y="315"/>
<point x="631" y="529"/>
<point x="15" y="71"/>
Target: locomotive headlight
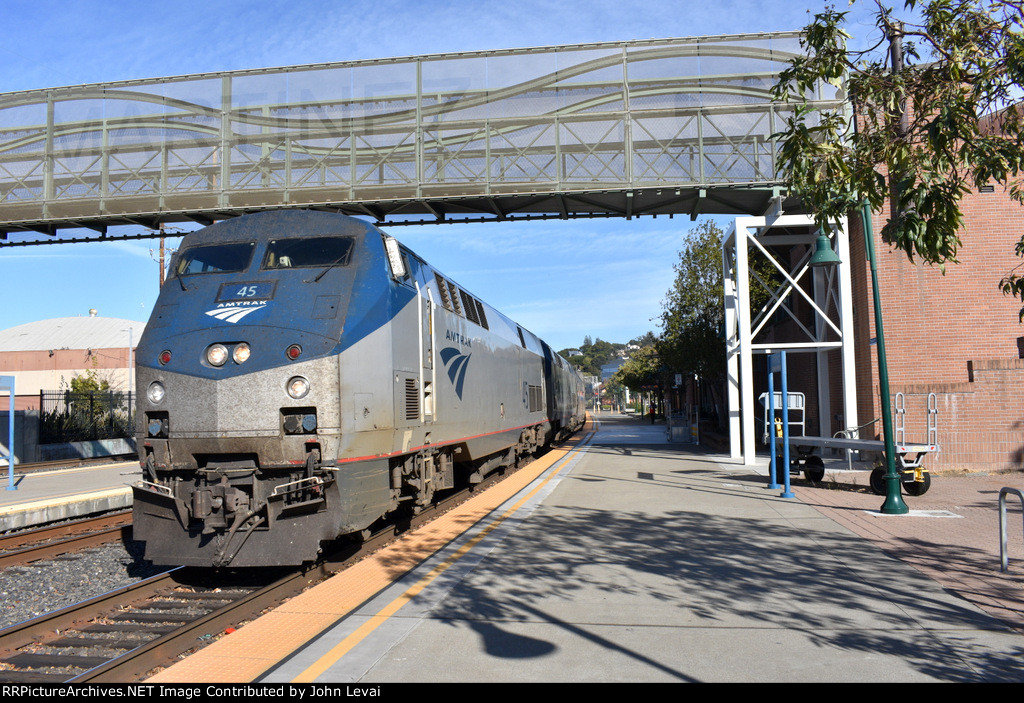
<point x="216" y="355"/>
<point x="155" y="392"/>
<point x="297" y="387"/>
<point x="240" y="353"/>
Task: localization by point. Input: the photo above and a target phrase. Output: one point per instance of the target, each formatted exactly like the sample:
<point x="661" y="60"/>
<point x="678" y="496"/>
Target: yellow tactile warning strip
<point x="244" y="655"/>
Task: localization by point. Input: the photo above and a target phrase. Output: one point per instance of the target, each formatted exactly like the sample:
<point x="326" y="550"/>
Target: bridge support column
<point x="784" y="245"/>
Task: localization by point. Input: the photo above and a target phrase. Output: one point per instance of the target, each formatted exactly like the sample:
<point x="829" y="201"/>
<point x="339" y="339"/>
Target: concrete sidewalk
<point x="950" y="535"/>
<point x="650" y="562"/>
<point x="64" y="494"/>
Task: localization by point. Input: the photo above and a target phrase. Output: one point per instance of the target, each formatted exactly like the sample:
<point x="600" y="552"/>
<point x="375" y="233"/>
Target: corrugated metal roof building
<point x="47" y="354"/>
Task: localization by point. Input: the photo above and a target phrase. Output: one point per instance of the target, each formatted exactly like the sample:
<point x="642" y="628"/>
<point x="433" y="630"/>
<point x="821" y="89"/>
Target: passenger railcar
<point x="303" y="374"/>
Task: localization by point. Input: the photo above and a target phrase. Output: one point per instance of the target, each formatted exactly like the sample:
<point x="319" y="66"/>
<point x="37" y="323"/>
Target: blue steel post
<point x="7" y="383"/>
<point x="786" y="493"/>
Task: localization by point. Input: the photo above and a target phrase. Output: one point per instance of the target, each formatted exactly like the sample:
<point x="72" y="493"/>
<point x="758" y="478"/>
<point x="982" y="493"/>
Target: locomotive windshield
<point x="215" y="258"/>
<point x="305" y="252"/>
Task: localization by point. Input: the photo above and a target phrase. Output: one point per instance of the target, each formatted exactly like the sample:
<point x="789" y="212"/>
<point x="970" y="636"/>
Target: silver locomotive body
<point x="285" y="403"/>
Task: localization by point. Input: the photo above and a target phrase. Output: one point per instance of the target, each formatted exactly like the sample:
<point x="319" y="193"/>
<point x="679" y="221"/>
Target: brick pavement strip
<point x="961" y="553"/>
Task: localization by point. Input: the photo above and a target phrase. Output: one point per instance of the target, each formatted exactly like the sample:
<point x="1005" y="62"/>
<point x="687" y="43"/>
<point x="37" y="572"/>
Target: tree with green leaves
<point x="936" y="114"/>
<point x="593" y="355"/>
<point x="89" y="382"/>
<point x="692" y="341"/>
<point x="641" y="370"/>
<point x="693" y="314"/>
<point x="90" y="410"/>
<point x="649" y="339"/>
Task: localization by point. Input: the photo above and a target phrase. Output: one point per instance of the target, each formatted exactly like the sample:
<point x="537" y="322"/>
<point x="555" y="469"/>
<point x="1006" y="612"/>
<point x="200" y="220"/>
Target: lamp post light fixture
<point x="824" y="255"/>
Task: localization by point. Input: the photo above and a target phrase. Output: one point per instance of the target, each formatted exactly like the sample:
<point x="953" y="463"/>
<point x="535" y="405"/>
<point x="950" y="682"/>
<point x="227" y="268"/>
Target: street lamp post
<point x="825" y="256"/>
<point x="893" y="504"/>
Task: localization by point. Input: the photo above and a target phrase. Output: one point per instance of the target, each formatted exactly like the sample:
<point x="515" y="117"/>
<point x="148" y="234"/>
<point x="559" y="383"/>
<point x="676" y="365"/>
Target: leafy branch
<point x="935" y="116"/>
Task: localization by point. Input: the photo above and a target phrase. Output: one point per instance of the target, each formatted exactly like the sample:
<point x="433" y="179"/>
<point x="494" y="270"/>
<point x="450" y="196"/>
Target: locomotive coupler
<point x="312" y="462"/>
<point x="216" y="506"/>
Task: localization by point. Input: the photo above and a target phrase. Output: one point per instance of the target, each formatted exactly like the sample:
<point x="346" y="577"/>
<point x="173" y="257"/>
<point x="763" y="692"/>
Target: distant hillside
<point x="594" y="354"/>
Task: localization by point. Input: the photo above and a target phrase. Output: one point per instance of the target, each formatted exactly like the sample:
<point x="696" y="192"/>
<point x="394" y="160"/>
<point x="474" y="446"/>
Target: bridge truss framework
<point x="675" y="126"/>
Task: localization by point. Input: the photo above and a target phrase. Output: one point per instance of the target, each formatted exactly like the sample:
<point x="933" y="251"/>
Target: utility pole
<point x="161" y="254"/>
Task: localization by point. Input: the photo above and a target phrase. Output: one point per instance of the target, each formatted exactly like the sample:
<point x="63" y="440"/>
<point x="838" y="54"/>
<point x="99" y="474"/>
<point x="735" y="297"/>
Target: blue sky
<point x="561" y="279"/>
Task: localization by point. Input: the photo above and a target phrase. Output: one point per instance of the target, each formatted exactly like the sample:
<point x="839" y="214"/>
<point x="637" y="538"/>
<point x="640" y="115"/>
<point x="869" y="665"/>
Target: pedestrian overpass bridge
<point x="625" y="129"/>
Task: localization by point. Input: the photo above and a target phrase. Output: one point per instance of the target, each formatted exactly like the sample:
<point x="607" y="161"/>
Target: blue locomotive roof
<point x="272" y="279"/>
<point x="261" y="226"/>
<point x="282" y="277"/>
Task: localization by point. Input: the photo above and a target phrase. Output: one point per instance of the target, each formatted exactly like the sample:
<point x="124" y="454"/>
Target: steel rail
<point x="56" y="464"/>
<point x="25" y="633"/>
<point x="47" y="542"/>
<point x="135" y="664"/>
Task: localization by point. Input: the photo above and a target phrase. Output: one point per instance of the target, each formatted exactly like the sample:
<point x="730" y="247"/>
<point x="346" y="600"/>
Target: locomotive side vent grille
<point x="469" y="305"/>
<point x="536" y="399"/>
<point x="412" y="400"/>
<point x="483" y="316"/>
<point x="455" y="298"/>
<point x="443" y="287"/>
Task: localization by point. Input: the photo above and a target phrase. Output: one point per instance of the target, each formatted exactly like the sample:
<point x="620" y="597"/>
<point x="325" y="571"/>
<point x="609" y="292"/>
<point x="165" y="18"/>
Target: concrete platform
<point x="65" y="493"/>
<point x="633" y="560"/>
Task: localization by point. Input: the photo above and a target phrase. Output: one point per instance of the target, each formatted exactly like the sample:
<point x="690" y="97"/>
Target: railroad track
<point x="124" y="635"/>
<point x="27" y="546"/>
<point x="69" y="463"/>
<point x="120" y="635"/>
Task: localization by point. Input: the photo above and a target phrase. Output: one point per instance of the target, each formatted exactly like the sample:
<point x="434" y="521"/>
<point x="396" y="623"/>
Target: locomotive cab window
<point x="307" y="252"/>
<point x="215" y="258"/>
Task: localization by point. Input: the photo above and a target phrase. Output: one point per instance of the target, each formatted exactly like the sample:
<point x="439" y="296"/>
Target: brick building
<point x="954" y="334"/>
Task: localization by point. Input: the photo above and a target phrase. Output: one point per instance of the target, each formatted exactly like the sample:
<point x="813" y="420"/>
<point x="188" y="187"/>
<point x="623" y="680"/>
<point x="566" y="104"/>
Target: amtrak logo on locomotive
<point x="233" y="312"/>
<point x="456" y="364"/>
<point x="458" y="338"/>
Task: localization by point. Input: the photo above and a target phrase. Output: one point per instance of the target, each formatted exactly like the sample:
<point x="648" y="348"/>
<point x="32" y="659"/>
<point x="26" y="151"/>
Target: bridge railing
<point x="644" y="114"/>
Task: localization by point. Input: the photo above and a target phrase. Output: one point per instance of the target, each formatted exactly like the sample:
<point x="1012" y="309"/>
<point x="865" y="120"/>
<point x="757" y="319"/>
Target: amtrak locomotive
<point x="304" y="374"/>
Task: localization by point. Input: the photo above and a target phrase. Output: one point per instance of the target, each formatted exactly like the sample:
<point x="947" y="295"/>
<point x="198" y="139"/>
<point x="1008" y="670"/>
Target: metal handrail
<point x="293" y="486"/>
<point x="853" y="433"/>
<point x="155" y="487"/>
<point x="1002" y="523"/>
